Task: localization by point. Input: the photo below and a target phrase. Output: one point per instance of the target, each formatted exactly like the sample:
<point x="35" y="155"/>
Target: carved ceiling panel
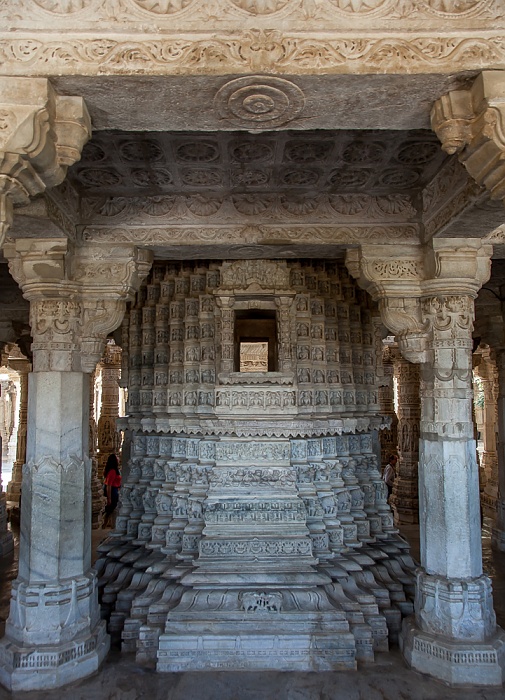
<point x="241" y="164"/>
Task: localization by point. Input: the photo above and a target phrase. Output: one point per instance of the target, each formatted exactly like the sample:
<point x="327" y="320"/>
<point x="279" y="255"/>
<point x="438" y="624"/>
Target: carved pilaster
<point x="41" y="135"/>
<point x="22" y="367"/>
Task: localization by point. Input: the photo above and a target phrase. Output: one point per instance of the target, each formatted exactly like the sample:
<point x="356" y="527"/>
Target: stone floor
<point x="386" y="679"/>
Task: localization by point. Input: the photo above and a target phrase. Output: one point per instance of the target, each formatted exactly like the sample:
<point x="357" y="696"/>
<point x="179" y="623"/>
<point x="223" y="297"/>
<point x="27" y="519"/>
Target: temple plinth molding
<point x="77" y="296"/>
<point x="41" y="135"/>
<point x="433" y="322"/>
<point x="471" y="123"/>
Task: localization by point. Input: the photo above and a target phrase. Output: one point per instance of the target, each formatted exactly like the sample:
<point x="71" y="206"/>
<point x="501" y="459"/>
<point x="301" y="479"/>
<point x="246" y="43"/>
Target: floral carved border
<point x="250" y="51"/>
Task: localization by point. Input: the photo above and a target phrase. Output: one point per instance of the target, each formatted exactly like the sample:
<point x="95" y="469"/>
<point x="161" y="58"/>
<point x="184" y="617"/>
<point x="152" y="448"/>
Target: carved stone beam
<point x="471" y="123"/>
<point x="41" y="135"/>
<point x="77" y="296"/>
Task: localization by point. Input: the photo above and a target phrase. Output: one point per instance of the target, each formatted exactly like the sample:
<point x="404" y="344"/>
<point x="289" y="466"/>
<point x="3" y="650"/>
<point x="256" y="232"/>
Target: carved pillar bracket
<point x="426" y="297"/>
<point x="41" y="135"/>
<point x="77" y="297"/>
<point x="471" y="123"/>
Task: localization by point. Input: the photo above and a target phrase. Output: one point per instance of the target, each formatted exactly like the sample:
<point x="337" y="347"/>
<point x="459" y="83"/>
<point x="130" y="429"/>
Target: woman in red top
<point x="112" y="485"/>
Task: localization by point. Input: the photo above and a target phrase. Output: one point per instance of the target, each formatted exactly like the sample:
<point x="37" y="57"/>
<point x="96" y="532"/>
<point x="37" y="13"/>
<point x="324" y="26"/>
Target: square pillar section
<point x="454" y="635"/>
<point x="54" y="634"/>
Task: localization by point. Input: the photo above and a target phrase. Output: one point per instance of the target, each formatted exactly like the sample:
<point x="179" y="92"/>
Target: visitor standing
<point x="112" y="484"/>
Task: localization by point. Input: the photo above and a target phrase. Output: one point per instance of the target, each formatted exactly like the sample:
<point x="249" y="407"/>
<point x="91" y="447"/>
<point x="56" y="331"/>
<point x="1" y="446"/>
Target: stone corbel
<point x="41" y="135"/>
<point x="77" y="297"/>
<point x="471" y="123"/>
<point x="395" y="283"/>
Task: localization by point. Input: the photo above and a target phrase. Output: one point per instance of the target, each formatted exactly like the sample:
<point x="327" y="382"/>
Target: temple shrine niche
<point x="254" y="530"/>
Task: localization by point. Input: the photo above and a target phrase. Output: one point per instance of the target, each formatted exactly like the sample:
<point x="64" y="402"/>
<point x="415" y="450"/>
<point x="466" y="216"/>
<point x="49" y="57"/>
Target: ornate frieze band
<point x="228" y="235"/>
<point x="251" y="51"/>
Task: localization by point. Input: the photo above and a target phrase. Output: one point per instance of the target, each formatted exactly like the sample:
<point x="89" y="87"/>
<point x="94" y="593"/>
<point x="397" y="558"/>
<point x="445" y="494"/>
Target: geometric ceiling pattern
<point x="227" y="162"/>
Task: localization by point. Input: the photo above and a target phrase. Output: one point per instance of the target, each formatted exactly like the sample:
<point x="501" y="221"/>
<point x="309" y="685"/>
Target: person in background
<point x="389" y="473"/>
<point x="112" y="484"/>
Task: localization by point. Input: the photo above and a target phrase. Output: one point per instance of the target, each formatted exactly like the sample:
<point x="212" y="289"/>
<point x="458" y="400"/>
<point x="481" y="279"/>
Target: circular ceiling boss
<point x="259" y="102"/>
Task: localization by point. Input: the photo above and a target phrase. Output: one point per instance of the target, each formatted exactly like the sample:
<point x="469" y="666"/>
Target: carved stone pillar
<point x="6" y="539"/>
<point x="22" y="367"/>
<point x="426" y="296"/>
<point x="97" y="499"/>
<point x="54" y="633"/>
<point x="388" y="436"/>
<point x="405" y="499"/>
<point x="108" y="436"/>
<point x="486" y="371"/>
<point x="498" y="532"/>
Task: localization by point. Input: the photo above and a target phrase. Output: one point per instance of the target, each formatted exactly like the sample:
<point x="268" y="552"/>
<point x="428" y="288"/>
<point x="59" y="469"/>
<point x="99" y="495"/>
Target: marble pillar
<point x="454" y="633"/>
<point x="405" y="498"/>
<point x="6" y="539"/>
<point x="108" y="437"/>
<point x="487" y="372"/>
<point x="54" y="633"/>
<point x="22" y="367"/>
<point x="388" y="436"/>
<point x="426" y="296"/>
<point x="97" y="498"/>
<point x="498" y="531"/>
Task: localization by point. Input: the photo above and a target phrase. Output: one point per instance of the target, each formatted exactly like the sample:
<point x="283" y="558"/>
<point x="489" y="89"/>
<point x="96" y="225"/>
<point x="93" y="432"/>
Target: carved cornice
<point x="41" y="135"/>
<point x="471" y="123"/>
<point x="252" y="234"/>
<point x="261" y="208"/>
<point x="250" y="51"/>
<point x="77" y="296"/>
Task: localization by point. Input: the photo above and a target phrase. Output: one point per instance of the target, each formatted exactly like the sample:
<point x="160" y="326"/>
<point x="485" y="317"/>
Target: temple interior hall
<point x="256" y="250"/>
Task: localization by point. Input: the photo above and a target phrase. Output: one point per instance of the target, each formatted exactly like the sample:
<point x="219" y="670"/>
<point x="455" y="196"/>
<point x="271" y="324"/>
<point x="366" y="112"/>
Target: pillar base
<point x="45" y="667"/>
<point x="454" y="662"/>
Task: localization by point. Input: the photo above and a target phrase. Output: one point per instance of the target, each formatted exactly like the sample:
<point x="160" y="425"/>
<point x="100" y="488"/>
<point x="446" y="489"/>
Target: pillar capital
<point x="41" y="135"/>
<point x="77" y="296"/>
<point x="471" y="123"/>
<point x="420" y="289"/>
